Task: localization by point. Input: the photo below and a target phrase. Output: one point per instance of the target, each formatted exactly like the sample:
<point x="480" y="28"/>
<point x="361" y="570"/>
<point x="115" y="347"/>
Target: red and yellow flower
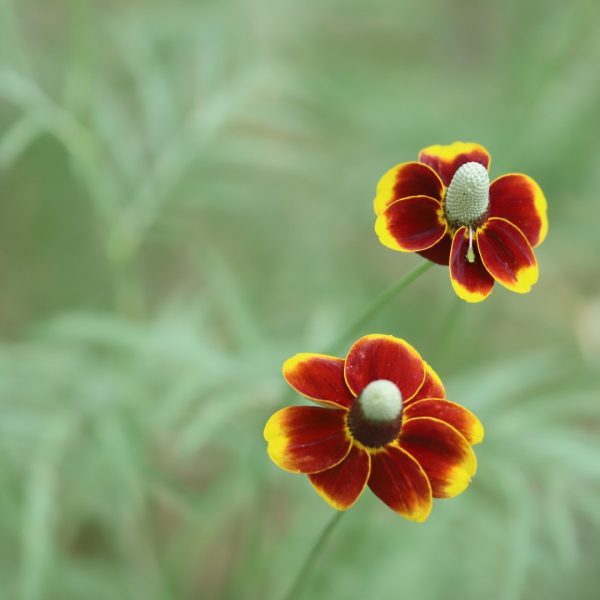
<point x="445" y="208"/>
<point x="382" y="420"/>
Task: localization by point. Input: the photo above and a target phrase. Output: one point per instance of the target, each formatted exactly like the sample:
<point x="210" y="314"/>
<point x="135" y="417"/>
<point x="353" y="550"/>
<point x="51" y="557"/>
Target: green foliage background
<point x="185" y="201"/>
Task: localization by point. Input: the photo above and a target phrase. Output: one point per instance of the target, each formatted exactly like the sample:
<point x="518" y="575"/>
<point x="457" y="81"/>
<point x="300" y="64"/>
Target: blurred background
<point x="185" y="201"/>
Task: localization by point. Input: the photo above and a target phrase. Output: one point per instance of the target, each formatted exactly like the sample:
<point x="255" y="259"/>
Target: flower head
<point x="445" y="208"/>
<point x="382" y="421"/>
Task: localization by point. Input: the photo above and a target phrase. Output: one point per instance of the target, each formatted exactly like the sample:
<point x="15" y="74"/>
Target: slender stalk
<point x="340" y="344"/>
<point x="355" y="327"/>
<point x="312" y="556"/>
<point x="384" y="298"/>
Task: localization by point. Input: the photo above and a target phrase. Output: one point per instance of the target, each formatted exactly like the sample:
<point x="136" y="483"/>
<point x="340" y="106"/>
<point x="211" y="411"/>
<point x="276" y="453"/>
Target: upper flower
<point x="445" y="208"/>
<point x="383" y="421"/>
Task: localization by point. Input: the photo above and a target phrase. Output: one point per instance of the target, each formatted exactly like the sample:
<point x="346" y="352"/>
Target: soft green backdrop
<point x="185" y="201"/>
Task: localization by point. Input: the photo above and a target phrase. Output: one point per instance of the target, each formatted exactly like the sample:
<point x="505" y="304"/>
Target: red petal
<point x="445" y="160"/>
<point x="439" y="253"/>
<point x="341" y="485"/>
<point x="404" y="180"/>
<point x="307" y="439"/>
<point x="470" y="280"/>
<point x="384" y="357"/>
<point x="411" y="224"/>
<point x="443" y="453"/>
<point x="519" y="199"/>
<point x="463" y="420"/>
<point x="507" y="255"/>
<point x="318" y="377"/>
<point x="432" y="387"/>
<point x="398" y="480"/>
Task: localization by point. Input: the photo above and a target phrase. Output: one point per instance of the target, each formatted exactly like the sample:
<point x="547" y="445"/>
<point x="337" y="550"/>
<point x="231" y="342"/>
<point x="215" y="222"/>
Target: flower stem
<point x="379" y="302"/>
<point x="338" y="345"/>
<point x="312" y="556"/>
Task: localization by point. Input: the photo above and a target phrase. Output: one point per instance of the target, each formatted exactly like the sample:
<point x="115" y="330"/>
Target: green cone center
<point x="381" y="400"/>
<point x="468" y="195"/>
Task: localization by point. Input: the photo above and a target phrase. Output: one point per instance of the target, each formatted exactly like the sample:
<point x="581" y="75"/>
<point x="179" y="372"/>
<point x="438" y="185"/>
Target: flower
<point x="383" y="421"/>
<point x="445" y="208"/>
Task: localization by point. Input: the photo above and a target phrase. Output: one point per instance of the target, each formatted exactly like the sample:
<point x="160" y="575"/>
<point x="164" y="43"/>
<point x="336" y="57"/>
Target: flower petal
<point x="444" y="160"/>
<point x="440" y="252"/>
<point x="520" y="200"/>
<point x="411" y="224"/>
<point x="319" y="377"/>
<point x="398" y="480"/>
<point x="407" y="179"/>
<point x="462" y="419"/>
<point x="307" y="439"/>
<point x="384" y="357"/>
<point x="341" y="485"/>
<point x="470" y="280"/>
<point x="432" y="387"/>
<point x="507" y="255"/>
<point x="443" y="453"/>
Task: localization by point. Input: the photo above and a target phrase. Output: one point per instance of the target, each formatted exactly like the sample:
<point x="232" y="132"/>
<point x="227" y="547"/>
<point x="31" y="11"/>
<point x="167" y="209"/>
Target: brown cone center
<point x="369" y="432"/>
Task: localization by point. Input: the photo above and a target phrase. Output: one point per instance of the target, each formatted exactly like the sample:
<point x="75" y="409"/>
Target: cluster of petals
<point x="428" y="455"/>
<point x="496" y="245"/>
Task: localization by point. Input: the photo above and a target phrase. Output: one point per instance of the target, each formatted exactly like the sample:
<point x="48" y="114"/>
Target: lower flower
<point x="383" y="420"/>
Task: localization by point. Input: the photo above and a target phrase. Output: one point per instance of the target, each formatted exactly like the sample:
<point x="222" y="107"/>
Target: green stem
<point x="312" y="556"/>
<point x="379" y="302"/>
<point x="350" y="332"/>
<point x="339" y="345"/>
